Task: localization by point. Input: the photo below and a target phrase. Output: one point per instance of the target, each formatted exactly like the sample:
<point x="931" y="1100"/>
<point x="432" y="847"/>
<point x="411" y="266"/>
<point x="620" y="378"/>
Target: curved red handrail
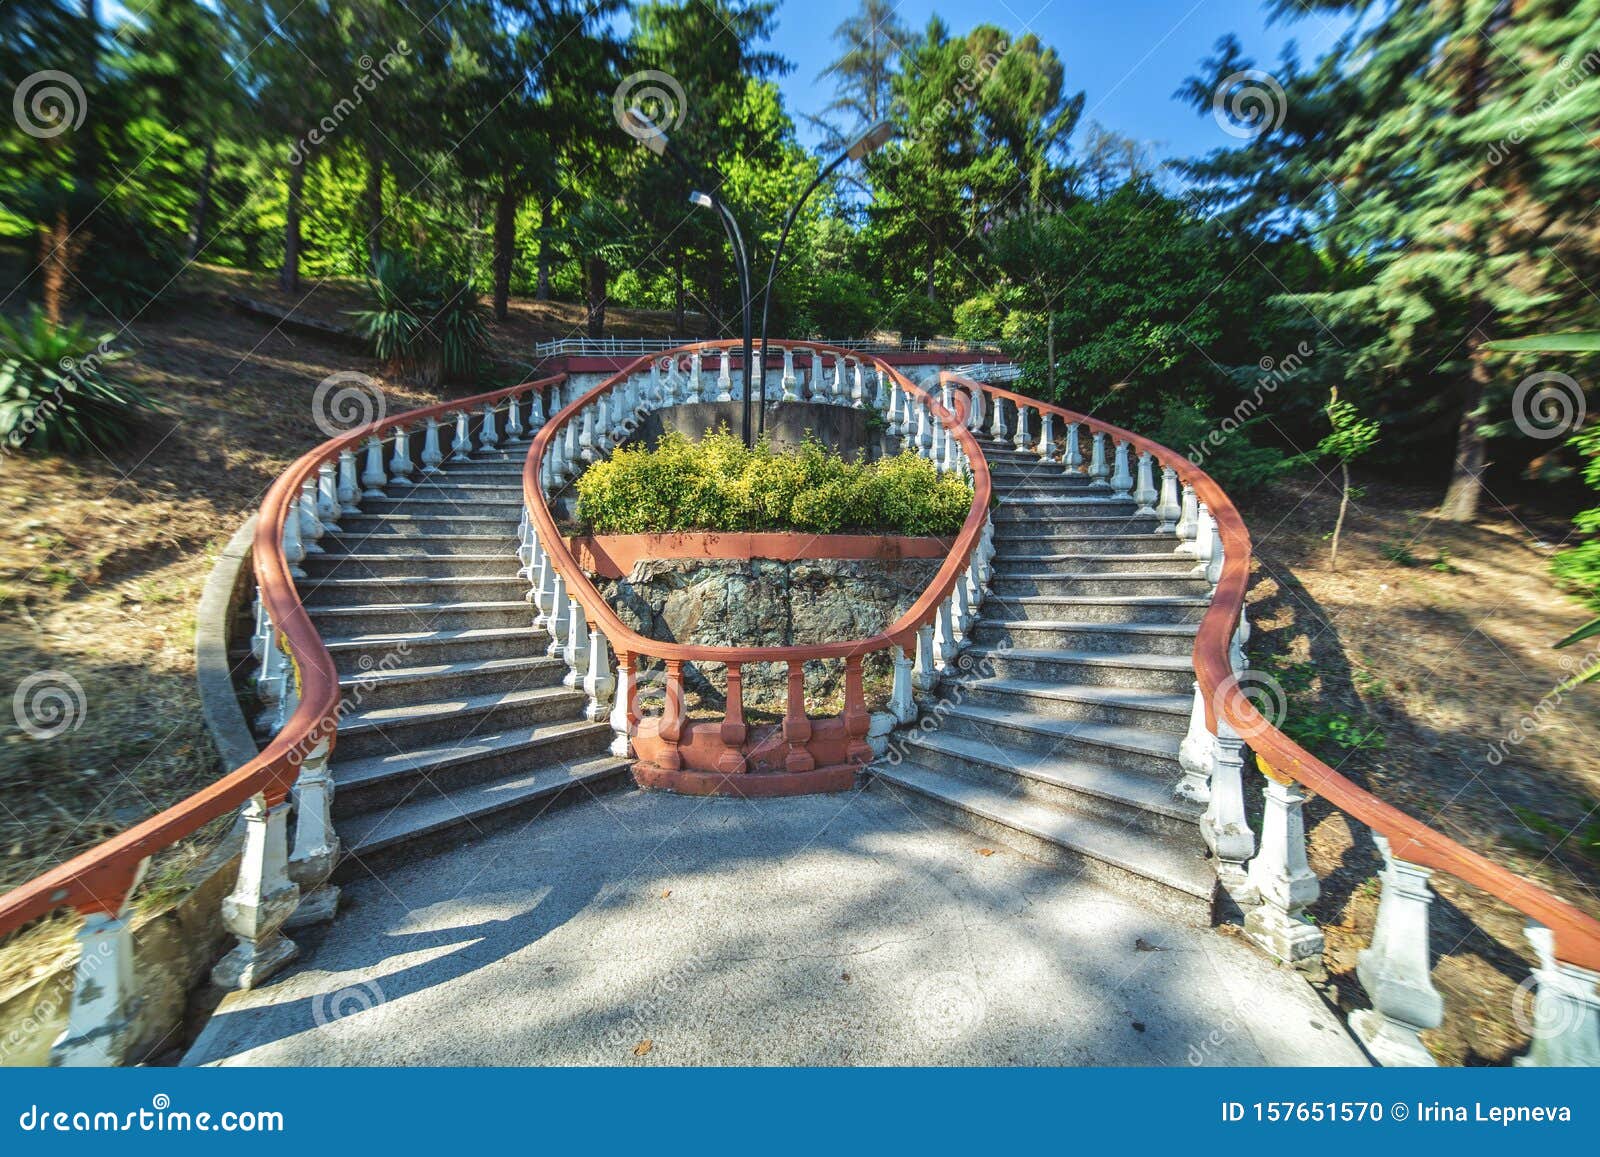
<point x="99" y="880"/>
<point x="1577" y="934"/>
<point x="900" y="633"/>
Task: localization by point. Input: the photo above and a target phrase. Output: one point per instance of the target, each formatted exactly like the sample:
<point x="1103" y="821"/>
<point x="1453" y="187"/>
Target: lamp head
<point x="701" y="199"/>
<point x="870" y="141"/>
<point x="644" y="130"/>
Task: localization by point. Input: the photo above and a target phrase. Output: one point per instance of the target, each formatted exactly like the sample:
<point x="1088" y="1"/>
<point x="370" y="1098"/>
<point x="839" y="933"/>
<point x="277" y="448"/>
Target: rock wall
<point x="764" y="603"/>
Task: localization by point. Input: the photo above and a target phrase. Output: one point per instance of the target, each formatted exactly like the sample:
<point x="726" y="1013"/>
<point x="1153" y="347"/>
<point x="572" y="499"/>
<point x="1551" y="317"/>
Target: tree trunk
<point x="55" y="260"/>
<point x="372" y="203"/>
<point x="289" y="275"/>
<point x="1466" y="477"/>
<point x="1338" y="523"/>
<point x="505" y="247"/>
<point x="596" y="275"/>
<point x="542" y="290"/>
<point x="927" y="277"/>
<point x="202" y="201"/>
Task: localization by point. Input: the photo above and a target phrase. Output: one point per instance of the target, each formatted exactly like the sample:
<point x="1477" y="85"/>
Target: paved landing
<point x="838" y="930"/>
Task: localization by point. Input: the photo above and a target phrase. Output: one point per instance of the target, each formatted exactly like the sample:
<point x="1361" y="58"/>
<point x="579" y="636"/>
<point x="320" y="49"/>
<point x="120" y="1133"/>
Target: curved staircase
<point x="460" y="720"/>
<point x="1057" y="730"/>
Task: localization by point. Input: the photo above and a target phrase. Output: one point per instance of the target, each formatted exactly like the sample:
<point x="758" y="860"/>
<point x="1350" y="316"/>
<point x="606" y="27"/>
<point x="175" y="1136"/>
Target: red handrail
<point x="1576" y="933"/>
<point x="99" y="880"/>
<point x="901" y="632"/>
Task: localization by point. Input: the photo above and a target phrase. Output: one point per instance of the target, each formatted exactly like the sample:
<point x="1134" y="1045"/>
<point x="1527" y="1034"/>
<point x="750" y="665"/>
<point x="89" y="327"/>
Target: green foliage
<point x="1351" y="436"/>
<point x="719" y="484"/>
<point x="423" y="320"/>
<point x="56" y="391"/>
<point x="1324" y="730"/>
<point x="1222" y="448"/>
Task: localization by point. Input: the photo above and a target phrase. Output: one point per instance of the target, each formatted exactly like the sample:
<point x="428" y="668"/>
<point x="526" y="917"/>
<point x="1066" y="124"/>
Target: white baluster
<point x="316" y="846"/>
<point x="1213" y="562"/>
<point x="1188" y="523"/>
<point x="627" y="684"/>
<point x="1072" y="460"/>
<point x="586" y="447"/>
<point x="1023" y="439"/>
<point x="1395" y="969"/>
<point x="569" y="448"/>
<point x="373" y="478"/>
<point x="328" y="509"/>
<point x="514" y="427"/>
<point x="349" y="491"/>
<point x="262" y="899"/>
<point x="1281" y="878"/>
<point x="461" y="446"/>
<point x="1196" y="754"/>
<point x="1170" y="508"/>
<point x="923" y="677"/>
<point x="790" y="381"/>
<point x="576" y="652"/>
<point x="556" y="613"/>
<point x="725" y="378"/>
<point x="858" y="392"/>
<point x="310" y="527"/>
<point x="1099" y="469"/>
<point x="1566" y="1011"/>
<point x="536" y="415"/>
<point x="815" y="387"/>
<point x="960" y="610"/>
<point x="1204" y="538"/>
<point x="1224" y="827"/>
<point x="488" y="429"/>
<point x="432" y="455"/>
<point x="696" y="385"/>
<point x="951" y="459"/>
<point x="598" y="683"/>
<point x="1122" y="477"/>
<point x="880" y="396"/>
<point x="400" y="466"/>
<point x="100" y="1023"/>
<point x="975" y="411"/>
<point x="1047" y="435"/>
<point x="1144" y="490"/>
<point x="997" y="428"/>
<point x="901" y="704"/>
<point x="896" y="410"/>
<point x="836" y="382"/>
<point x="945" y="645"/>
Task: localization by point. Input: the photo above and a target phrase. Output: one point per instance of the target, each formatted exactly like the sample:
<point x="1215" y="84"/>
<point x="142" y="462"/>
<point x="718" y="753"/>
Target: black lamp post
<point x="873" y="139"/>
<point x="655" y="139"/>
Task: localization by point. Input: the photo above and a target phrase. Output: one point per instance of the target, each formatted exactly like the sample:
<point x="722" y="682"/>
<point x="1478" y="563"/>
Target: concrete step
<point x="396" y="777"/>
<point x="1125" y="798"/>
<point x="439" y="504"/>
<point x="1133" y="670"/>
<point x="419" y="680"/>
<point x="358" y="526"/>
<point x="1171" y="608"/>
<point x="1148" y="752"/>
<point x="359" y="653"/>
<point x="405" y="728"/>
<point x="1015" y="523"/>
<point x="400" y="617"/>
<point x="431" y="545"/>
<point x="1011" y="567"/>
<point x="1089" y="702"/>
<point x="345" y="592"/>
<point x="1126" y="860"/>
<point x="1165" y="582"/>
<point x="455" y="488"/>
<point x="388" y="835"/>
<point x="1050" y="548"/>
<point x="400" y="567"/>
<point x="1044" y="635"/>
<point x="1024" y="507"/>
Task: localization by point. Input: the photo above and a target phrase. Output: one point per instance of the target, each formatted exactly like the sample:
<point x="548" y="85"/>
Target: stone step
<point x="1090" y="702"/>
<point x="454" y="488"/>
<point x="1014" y="567"/>
<point x="1134" y="670"/>
<point x="417" y="680"/>
<point x="396" y="777"/>
<point x="1148" y="752"/>
<point x="379" y="730"/>
<point x="1044" y="635"/>
<point x="1126" y="860"/>
<point x="388" y="835"/>
<point x="439" y="504"/>
<point x="400" y="617"/>
<point x="1098" y="608"/>
<point x="1165" y="582"/>
<point x="1124" y="798"/>
<point x="357" y="653"/>
<point x="1050" y="548"/>
<point x="1031" y="508"/>
<point x="345" y="592"/>
<point x="1016" y="523"/>
<point x="506" y="472"/>
<point x="400" y="567"/>
<point x="357" y="527"/>
<point x="430" y="545"/>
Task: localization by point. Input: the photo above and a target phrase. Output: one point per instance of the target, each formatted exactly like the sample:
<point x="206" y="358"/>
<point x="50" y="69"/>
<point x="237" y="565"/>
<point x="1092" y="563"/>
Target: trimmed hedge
<point x="719" y="484"/>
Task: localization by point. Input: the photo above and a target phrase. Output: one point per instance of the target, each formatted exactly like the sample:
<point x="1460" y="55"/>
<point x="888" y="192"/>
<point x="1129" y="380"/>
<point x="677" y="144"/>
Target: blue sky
<point x="1129" y="56"/>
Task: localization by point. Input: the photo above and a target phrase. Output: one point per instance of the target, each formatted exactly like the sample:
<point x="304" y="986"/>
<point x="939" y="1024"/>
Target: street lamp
<point x="654" y="138"/>
<point x="873" y="139"/>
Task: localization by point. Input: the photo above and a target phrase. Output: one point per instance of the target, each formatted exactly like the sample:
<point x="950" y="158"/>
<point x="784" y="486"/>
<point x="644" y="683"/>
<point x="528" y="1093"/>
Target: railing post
<point x="461" y="444"/>
<point x="315" y="850"/>
<point x="555" y="615"/>
<point x="1188" y="522"/>
<point x="1280" y="876"/>
<point x="725" y="378"/>
<point x="1023" y="440"/>
<point x="586" y="446"/>
<point x="310" y="526"/>
<point x="901" y="703"/>
<point x="858" y="391"/>
<point x="671" y="728"/>
<point x="796" y="726"/>
<point x="1144" y="491"/>
<point x="262" y="899"/>
<point x="789" y="379"/>
<point x="1047" y="435"/>
<point x="923" y="677"/>
<point x="856" y="720"/>
<point x="733" y="731"/>
<point x="400" y="464"/>
<point x="536" y="418"/>
<point x="328" y="509"/>
<point x="1566" y="1010"/>
<point x="1224" y="826"/>
<point x="1072" y="459"/>
<point x="598" y="684"/>
<point x="1099" y="471"/>
<point x="569" y="449"/>
<point x="488" y="433"/>
<point x="997" y="428"/>
<point x="1170" y="508"/>
<point x="1196" y="754"/>
<point x="514" y="427"/>
<point x="1395" y="970"/>
<point x="349" y="489"/>
<point x="881" y="394"/>
<point x="945" y="646"/>
<point x="100" y="1023"/>
<point x="575" y="653"/>
<point x="1122" y="477"/>
<point x="624" y="719"/>
<point x="1204" y="538"/>
<point x="837" y="388"/>
<point x="696" y="392"/>
<point x="432" y="455"/>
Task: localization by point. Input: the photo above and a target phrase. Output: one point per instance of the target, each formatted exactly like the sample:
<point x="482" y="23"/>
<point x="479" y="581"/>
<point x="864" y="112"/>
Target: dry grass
<point x="1432" y="640"/>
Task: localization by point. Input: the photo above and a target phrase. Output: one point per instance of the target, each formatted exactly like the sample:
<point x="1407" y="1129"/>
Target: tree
<point x="1350" y="437"/>
<point x="862" y="73"/>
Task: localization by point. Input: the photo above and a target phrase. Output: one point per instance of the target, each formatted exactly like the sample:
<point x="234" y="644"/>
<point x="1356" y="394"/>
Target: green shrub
<point x="56" y="391"/>
<point x="1222" y="449"/>
<point x="424" y="321"/>
<point x="719" y="484"/>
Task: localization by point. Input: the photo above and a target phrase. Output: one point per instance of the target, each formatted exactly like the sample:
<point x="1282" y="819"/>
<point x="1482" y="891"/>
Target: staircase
<point x="1057" y="731"/>
<point x="456" y="719"/>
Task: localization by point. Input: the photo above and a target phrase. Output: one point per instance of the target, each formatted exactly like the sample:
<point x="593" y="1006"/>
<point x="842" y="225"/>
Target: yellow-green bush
<point x="719" y="484"/>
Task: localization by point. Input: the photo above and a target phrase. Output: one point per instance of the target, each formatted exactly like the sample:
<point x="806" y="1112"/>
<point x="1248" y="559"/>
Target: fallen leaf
<point x="667" y="893"/>
<point x="844" y="976"/>
<point x="1144" y="945"/>
<point x="643" y="1047"/>
<point x="1229" y="929"/>
<point x="985" y="851"/>
<point x="1138" y="1026"/>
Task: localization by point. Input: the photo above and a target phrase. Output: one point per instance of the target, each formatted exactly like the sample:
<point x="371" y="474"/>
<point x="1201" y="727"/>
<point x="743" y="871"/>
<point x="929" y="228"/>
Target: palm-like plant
<point x="424" y="321"/>
<point x="56" y="391"/>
